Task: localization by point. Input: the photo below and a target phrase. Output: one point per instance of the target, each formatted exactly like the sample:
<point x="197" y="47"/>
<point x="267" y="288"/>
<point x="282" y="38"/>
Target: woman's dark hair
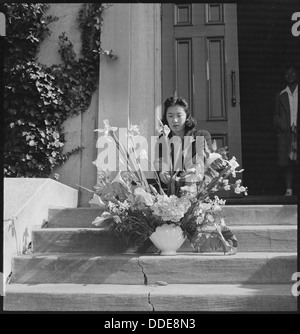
<point x="171" y="101"/>
<point x="289" y="66"/>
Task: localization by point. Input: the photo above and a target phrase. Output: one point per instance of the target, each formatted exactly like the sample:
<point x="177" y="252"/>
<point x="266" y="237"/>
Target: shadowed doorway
<point x="266" y="46"/>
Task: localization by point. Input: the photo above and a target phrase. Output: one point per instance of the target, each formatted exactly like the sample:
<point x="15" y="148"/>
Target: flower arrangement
<point x="135" y="208"/>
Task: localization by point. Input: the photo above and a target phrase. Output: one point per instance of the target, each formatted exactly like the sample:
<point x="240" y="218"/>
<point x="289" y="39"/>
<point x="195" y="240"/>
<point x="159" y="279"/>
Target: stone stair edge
<point x="135" y="269"/>
<point x="237" y="227"/>
<point x="91" y="208"/>
<point x="173" y="297"/>
<point x="183" y="255"/>
<point x="234" y="215"/>
<point x="123" y="287"/>
<point x="250" y="238"/>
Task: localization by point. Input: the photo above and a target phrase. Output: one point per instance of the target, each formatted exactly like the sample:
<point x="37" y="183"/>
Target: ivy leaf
<point x="46" y="89"/>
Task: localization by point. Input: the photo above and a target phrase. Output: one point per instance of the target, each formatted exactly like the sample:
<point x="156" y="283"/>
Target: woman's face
<point x="176" y="117"/>
<point x="291" y="75"/>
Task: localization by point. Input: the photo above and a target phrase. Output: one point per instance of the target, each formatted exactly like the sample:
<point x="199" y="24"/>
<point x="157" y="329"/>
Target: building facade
<point x="199" y="51"/>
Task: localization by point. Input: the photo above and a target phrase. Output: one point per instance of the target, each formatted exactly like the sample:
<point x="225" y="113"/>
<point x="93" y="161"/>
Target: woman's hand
<point x="165" y="177"/>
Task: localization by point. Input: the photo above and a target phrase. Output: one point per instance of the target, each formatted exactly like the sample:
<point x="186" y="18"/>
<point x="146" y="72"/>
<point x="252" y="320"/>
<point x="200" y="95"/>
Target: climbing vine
<point x="39" y="98"/>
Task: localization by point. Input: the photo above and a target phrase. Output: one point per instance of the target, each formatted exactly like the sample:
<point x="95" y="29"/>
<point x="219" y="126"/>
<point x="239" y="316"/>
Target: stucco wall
<point x="78" y="129"/>
<point x="129" y="88"/>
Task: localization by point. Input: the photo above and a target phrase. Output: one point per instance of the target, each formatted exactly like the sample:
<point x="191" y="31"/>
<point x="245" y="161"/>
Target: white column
<point x="145" y="66"/>
<point x="130" y="87"/>
<point x="114" y="74"/>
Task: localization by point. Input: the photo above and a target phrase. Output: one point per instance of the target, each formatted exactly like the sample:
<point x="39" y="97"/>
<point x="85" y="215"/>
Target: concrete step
<point x="78" y="217"/>
<point x="234" y="215"/>
<point x="263" y="199"/>
<point x="188" y="268"/>
<point x="68" y="240"/>
<point x="173" y="297"/>
<point x="260" y="214"/>
<point x="265" y="238"/>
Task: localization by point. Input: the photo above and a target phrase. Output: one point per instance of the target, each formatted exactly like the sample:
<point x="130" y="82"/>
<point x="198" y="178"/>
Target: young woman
<point x="178" y="118"/>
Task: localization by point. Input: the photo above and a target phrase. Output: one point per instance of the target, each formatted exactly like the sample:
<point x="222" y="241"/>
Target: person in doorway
<point x="285" y="122"/>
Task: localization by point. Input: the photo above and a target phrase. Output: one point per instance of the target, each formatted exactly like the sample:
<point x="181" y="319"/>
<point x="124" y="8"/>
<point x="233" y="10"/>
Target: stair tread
<point x="243" y="214"/>
<point x="236" y="227"/>
<point x="176" y="289"/>
<point x="257" y="238"/>
<point x="181" y="255"/>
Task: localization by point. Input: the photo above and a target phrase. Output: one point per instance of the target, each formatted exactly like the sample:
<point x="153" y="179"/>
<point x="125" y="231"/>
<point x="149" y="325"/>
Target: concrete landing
<point x="173" y="297"/>
<point x="223" y="297"/>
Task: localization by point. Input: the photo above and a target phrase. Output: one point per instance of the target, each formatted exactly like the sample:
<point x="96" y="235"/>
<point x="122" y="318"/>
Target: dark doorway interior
<point x="266" y="46"/>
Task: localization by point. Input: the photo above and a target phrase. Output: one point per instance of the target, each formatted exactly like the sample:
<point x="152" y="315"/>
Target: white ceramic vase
<point x="168" y="238"/>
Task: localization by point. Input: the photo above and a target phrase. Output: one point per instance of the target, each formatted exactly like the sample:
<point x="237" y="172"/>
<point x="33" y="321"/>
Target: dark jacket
<point x="281" y="121"/>
<point x="193" y="133"/>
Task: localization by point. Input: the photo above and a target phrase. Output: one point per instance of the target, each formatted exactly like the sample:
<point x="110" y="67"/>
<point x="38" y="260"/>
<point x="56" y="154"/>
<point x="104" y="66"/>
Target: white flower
<point x="170" y="208"/>
<point x="205" y="206"/>
<point x="107" y="128"/>
<point x="134" y="128"/>
<point x="195" y="173"/>
<point x="200" y="219"/>
<point x="216" y="207"/>
<point x="146" y="197"/>
<point x="225" y="182"/>
<point x="214" y="145"/>
<point x="212" y="157"/>
<point x="210" y="218"/>
<point x="143" y="154"/>
<point x="233" y="164"/>
<point x="163" y="129"/>
<point x="97" y="201"/>
<point x="207" y="179"/>
<point x="117" y="219"/>
<point x="119" y="179"/>
<point x="190" y="191"/>
<point x="98" y="220"/>
<point x="222" y="223"/>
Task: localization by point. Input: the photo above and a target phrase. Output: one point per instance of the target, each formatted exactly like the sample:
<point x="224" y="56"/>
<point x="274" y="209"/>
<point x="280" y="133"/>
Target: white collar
<point x="287" y="89"/>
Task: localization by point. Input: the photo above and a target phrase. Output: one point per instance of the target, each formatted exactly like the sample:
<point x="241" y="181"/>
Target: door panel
<point x="199" y="55"/>
<point x="183" y="67"/>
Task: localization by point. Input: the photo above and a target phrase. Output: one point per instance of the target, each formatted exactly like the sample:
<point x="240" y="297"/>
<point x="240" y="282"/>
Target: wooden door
<point x="200" y="63"/>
